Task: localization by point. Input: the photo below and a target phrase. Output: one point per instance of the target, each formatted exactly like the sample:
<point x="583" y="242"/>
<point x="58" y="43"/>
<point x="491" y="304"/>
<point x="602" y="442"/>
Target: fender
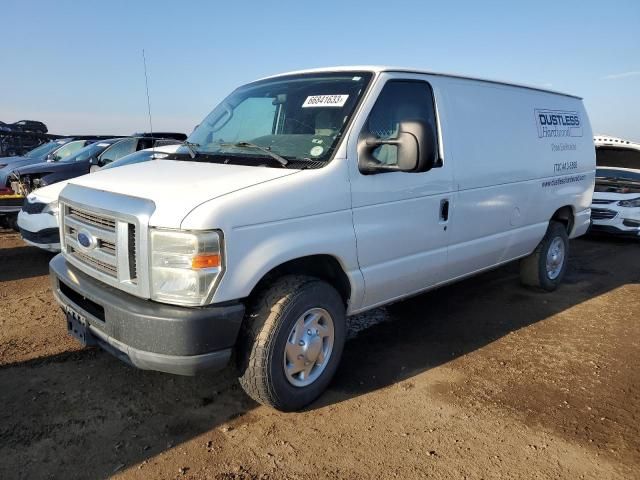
<point x="253" y="251"/>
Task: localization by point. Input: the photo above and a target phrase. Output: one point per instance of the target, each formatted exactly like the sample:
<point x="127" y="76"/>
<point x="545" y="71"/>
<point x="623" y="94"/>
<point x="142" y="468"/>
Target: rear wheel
<point x="292" y="342"/>
<point x="546" y="266"/>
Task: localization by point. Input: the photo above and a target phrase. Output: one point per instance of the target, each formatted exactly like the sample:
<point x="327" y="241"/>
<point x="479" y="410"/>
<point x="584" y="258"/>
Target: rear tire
<point x="546" y="266"/>
<point x="292" y="341"/>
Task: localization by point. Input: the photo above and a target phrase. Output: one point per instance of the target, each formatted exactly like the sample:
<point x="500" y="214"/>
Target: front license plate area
<point x="78" y="327"/>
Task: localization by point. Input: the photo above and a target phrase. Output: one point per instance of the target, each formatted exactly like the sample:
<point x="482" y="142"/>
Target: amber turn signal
<point x="205" y="261"/>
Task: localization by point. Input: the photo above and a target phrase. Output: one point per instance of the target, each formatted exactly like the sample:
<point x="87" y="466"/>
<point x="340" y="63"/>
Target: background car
<point x="38" y="219"/>
<point x="54" y="150"/>
<point x="29" y="126"/>
<point x="137" y="143"/>
<point x="22" y="136"/>
<point x="616" y="200"/>
<point x="10" y="201"/>
<point x="84" y="161"/>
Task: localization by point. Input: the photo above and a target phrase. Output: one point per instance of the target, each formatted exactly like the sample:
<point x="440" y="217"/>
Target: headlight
<point x="634" y="202"/>
<point x="184" y="266"/>
<point x="51" y="208"/>
<point x="38" y="183"/>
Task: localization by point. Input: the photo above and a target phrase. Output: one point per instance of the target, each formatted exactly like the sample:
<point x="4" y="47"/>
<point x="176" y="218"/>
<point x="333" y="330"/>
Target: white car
<point x="616" y="200"/>
<point x="310" y="196"/>
<point x="38" y="219"/>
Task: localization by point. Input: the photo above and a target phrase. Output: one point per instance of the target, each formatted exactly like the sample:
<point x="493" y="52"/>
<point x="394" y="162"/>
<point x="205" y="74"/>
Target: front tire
<point x="292" y="341"/>
<point x="546" y="266"/>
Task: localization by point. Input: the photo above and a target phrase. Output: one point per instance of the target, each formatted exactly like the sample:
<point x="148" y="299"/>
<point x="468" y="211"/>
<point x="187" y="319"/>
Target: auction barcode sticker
<point x="325" y="101"/>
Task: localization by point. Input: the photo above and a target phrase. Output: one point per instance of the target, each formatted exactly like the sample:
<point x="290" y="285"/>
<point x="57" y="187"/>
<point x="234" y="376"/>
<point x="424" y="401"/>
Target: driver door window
<point x="399" y="101"/>
<point x="119" y="150"/>
<point x="68" y="150"/>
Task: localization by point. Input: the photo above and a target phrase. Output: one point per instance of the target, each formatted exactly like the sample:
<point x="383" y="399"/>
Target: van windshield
<point x="297" y="117"/>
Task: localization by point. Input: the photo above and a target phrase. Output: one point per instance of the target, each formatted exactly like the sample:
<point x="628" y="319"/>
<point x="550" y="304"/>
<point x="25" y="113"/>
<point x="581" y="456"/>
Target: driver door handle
<point x="444" y="210"/>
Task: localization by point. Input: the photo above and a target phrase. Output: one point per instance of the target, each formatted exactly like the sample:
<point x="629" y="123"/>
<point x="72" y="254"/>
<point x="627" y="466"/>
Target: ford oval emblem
<point x="86" y="240"/>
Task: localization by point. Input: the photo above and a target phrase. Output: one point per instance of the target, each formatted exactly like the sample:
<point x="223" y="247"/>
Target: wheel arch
<point x="566" y="216"/>
<point x="323" y="266"/>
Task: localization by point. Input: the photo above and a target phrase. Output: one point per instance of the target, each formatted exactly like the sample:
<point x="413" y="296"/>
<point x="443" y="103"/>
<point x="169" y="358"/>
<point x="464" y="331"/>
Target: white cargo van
<point x="310" y="196"/>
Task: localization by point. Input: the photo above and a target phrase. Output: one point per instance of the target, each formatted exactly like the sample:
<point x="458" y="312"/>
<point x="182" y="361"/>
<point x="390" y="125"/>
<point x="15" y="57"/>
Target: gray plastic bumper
<point x="146" y="334"/>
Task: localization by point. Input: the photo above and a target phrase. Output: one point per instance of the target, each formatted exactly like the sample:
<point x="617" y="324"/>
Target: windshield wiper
<point x="193" y="153"/>
<point x="283" y="161"/>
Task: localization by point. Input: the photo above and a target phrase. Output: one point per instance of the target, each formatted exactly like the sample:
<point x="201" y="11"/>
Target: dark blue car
<point x="53" y="151"/>
<point x="84" y="161"/>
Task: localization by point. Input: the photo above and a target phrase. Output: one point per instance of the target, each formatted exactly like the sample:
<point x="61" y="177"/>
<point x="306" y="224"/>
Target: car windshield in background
<point x="618" y="157"/>
<point x="87" y="152"/>
<point x="137" y="157"/>
<point x="297" y="117"/>
<point x="43" y="150"/>
<point x="613" y="174"/>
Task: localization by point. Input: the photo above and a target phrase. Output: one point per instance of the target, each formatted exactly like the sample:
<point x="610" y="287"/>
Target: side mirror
<point x="416" y="150"/>
<point x="50" y="157"/>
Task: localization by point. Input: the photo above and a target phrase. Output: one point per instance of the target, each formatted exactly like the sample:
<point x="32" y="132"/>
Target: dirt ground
<point x="483" y="379"/>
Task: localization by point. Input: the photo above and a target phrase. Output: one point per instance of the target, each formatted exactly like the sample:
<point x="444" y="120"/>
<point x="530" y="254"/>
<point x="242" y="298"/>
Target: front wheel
<point x="546" y="266"/>
<point x="292" y="342"/>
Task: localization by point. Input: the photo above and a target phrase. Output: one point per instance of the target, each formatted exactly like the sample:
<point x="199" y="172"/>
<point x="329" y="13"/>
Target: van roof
<point x="382" y="68"/>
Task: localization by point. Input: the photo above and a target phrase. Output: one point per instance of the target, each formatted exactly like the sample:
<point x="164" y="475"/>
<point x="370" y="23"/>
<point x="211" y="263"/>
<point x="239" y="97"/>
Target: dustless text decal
<point x="558" y="123"/>
<point x="563" y="181"/>
<point x="325" y="101"/>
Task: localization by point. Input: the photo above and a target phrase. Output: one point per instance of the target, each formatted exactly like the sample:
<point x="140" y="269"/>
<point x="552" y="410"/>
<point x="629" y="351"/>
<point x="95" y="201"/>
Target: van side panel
<point x="518" y="156"/>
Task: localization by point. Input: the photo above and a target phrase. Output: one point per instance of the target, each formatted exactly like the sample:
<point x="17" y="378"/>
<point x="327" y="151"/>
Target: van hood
<point x="177" y="187"/>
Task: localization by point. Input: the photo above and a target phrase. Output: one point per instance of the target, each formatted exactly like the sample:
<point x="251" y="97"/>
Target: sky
<point x="77" y="65"/>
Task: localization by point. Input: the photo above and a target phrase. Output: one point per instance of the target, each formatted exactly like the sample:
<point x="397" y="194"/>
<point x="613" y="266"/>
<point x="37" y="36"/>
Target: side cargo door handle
<point x="444" y="210"/>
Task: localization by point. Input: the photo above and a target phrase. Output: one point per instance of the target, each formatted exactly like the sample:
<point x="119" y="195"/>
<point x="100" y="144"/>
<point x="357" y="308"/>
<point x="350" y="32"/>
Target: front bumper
<point x="10" y="204"/>
<point x="146" y="334"/>
<point x="40" y="230"/>
<point x="623" y="221"/>
<point x="615" y="230"/>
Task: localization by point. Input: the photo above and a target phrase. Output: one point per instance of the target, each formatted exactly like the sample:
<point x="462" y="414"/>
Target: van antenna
<point x="146" y="83"/>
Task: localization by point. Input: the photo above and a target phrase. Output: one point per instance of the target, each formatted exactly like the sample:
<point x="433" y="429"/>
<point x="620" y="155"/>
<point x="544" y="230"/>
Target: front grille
<point x="601" y="201"/>
<point x="95" y="263"/>
<point x="92" y="219"/>
<point x="603" y="214"/>
<point x="133" y="266"/>
<point x="35" y="207"/>
<point x="111" y="243"/>
<point x="109" y="247"/>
